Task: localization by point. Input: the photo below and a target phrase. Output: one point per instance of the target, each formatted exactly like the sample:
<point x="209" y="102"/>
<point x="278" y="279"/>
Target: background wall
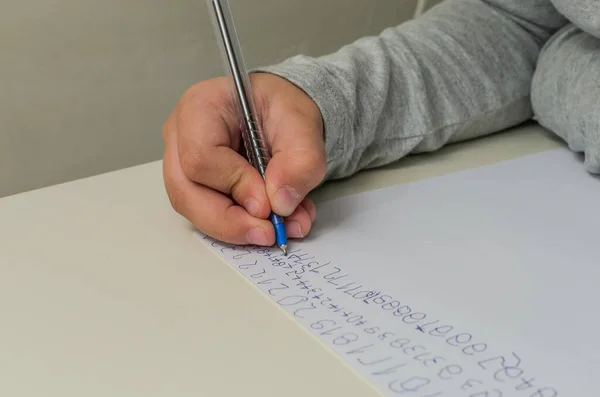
<point x="86" y="85"/>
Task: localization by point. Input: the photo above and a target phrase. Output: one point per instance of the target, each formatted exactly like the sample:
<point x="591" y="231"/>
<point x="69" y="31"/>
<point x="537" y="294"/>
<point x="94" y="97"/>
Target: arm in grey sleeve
<point x="462" y="70"/>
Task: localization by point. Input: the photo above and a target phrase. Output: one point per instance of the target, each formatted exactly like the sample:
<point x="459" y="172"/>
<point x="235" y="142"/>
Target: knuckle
<point x="191" y="161"/>
<point x="176" y="198"/>
<point x="236" y="178"/>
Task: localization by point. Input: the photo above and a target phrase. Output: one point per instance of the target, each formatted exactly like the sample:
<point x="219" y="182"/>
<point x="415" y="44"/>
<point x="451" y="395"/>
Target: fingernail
<point x="252" y="206"/>
<point x="257" y="236"/>
<point x="293" y="230"/>
<point x="286" y="200"/>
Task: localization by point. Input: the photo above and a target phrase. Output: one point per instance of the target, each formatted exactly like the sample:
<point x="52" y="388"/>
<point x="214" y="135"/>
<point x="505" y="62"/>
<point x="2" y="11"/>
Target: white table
<point x="105" y="291"/>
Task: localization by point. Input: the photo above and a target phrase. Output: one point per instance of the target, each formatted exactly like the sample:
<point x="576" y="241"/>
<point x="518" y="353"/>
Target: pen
<point x="255" y="144"/>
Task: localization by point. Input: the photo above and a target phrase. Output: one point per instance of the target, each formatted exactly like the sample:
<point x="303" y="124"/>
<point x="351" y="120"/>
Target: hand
<point x="211" y="184"/>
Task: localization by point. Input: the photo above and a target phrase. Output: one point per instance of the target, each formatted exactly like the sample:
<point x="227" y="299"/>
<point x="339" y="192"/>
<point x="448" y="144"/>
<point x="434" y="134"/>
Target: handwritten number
<point x="259" y="274"/>
<point x="545" y="392"/>
<point x="448" y="371"/>
<point x="411" y="385"/>
<point x="296" y="272"/>
<point x="311" y="307"/>
<point x="469" y="384"/>
<point x="324" y="302"/>
<point x="413" y="349"/>
<point x="274" y="289"/>
<point x="314" y="291"/>
<point x="292" y="300"/>
<point x="432" y="361"/>
<point x="441" y="330"/>
<point x="390" y="305"/>
<point x="414" y="318"/>
<point x="320" y="266"/>
<point x="474" y="349"/>
<point x="230" y="247"/>
<point x="278" y="263"/>
<point x="422" y="327"/>
<point x="402" y="311"/>
<point x="353" y="319"/>
<point x="246" y="266"/>
<point x="385" y="335"/>
<point x="321" y="324"/>
<point x="399" y="343"/>
<point x="418" y="356"/>
<point x="345" y="339"/>
<point x="527" y="384"/>
<point x="502" y="370"/>
<point x="459" y="339"/>
<point x="502" y="362"/>
<point x="266" y="281"/>
<point x="239" y="256"/>
<point x="509" y="372"/>
<point x="331" y="331"/>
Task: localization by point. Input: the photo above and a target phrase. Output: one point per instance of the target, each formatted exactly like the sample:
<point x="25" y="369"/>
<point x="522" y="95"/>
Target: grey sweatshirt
<point x="465" y="69"/>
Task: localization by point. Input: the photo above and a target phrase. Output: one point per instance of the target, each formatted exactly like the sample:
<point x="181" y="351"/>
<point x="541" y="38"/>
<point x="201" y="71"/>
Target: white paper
<point x="481" y="283"/>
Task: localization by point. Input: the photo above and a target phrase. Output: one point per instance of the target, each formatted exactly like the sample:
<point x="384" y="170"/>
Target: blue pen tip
<point x="280" y="235"/>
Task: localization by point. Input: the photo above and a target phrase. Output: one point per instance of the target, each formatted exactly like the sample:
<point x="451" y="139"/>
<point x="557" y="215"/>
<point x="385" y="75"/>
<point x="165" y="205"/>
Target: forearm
<point x="462" y="70"/>
<point x="565" y="96"/>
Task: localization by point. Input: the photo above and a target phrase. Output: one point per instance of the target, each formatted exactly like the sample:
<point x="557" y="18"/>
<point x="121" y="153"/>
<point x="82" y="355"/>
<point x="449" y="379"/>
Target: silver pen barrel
<point x="251" y="135"/>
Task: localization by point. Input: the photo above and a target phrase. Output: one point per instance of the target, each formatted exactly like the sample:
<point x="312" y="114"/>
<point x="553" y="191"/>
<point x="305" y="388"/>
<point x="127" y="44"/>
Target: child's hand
<point x="211" y="184"/>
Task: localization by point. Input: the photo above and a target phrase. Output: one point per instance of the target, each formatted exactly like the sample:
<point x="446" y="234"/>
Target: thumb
<point x="298" y="162"/>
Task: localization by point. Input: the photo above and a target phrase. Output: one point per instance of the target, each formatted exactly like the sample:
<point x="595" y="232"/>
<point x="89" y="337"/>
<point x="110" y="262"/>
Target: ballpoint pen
<point x="254" y="142"/>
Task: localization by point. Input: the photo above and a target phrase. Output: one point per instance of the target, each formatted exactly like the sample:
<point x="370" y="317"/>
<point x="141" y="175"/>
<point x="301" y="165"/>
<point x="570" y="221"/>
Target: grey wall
<point x="86" y="85"/>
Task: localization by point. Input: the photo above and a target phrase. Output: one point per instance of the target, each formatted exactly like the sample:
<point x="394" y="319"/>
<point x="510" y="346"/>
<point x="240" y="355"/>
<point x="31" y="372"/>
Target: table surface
<point x="104" y="290"/>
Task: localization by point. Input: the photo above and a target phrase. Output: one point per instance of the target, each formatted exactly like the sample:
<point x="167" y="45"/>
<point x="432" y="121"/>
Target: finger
<point x="310" y="207"/>
<point x="227" y="172"/>
<point x="298" y="164"/>
<point x="210" y="211"/>
<point x="298" y="224"/>
<point x="207" y="148"/>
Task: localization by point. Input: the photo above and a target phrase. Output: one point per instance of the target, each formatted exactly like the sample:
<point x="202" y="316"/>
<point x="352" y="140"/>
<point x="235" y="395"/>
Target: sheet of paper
<point x="482" y="283"/>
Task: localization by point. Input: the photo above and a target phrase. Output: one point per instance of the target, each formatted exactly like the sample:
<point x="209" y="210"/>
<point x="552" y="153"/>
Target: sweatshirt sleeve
<point x="460" y="71"/>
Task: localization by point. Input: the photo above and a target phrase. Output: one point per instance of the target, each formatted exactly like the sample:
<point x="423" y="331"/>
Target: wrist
<point x="327" y="101"/>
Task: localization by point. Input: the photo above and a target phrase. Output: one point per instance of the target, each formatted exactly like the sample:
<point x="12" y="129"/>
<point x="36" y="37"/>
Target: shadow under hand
<point x="337" y="214"/>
